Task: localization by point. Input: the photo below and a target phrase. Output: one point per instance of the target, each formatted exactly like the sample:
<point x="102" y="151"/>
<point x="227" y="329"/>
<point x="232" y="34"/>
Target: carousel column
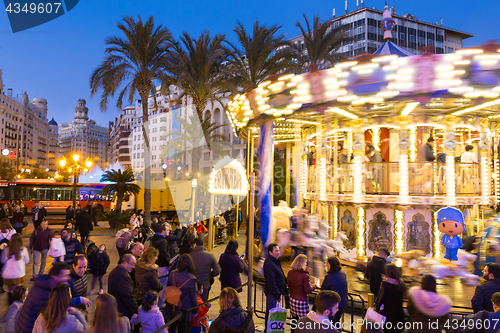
<point x="404" y="144"/>
<point x="297" y="168"/>
<point x="495" y="167"/>
<point x="266" y="147"/>
<point x="288" y="167"/>
<point x="321" y="176"/>
<point x="485" y="168"/>
<point x="358" y="151"/>
<point x="450" y="146"/>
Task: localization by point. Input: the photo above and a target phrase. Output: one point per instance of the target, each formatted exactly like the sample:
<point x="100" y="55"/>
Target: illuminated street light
<point x="76" y="157"/>
<point x="75" y="169"/>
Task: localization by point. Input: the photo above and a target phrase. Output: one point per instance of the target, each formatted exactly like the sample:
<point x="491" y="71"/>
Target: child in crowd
<point x="199" y="323"/>
<point x="98" y="264"/>
<point x="149" y="315"/>
<point x="18" y="296"/>
<point x="57" y="249"/>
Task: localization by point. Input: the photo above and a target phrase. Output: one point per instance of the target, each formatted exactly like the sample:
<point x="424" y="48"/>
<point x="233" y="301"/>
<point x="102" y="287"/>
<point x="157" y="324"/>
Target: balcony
<point x="380" y="182"/>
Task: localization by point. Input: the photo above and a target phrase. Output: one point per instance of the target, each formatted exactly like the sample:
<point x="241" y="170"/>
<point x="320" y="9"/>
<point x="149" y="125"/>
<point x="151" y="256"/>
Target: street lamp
<point x="194" y="183"/>
<point x="75" y="169"/>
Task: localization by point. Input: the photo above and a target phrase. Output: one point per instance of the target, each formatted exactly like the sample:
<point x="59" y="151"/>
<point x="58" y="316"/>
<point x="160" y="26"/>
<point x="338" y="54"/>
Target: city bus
<point x="56" y="197"/>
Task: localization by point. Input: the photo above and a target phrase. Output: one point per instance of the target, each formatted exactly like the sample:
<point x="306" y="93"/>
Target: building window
<point x="450" y="50"/>
<point x="457" y="40"/>
<point x="449" y="38"/>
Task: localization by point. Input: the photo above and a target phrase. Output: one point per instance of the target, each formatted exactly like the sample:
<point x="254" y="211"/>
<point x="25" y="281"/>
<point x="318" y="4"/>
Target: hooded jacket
<point x="72" y="323"/>
<point x="150" y="320"/>
<point x="425" y="307"/>
<point x="235" y="320"/>
<point x="146" y="278"/>
<point x="374" y="271"/>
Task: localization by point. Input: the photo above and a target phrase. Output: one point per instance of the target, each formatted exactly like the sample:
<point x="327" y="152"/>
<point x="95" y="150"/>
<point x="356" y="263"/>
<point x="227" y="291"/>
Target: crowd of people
<point x="155" y="262"/>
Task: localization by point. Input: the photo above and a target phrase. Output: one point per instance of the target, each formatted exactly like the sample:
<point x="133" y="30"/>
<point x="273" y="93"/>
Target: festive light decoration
<point x="485" y="178"/>
<point x="409" y="108"/>
<point x="399" y="230"/>
<point x="376" y="138"/>
<point x="335" y="221"/>
<point x="437" y="237"/>
<point x="303" y="178"/>
<point x="361" y="233"/>
<point x="322" y="176"/>
<point x="413" y="143"/>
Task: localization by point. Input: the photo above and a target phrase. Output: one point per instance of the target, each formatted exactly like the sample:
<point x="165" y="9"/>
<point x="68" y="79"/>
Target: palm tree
<point x="195" y="66"/>
<point x="136" y="61"/>
<point x="262" y="54"/>
<point x="123" y="184"/>
<point x="7" y="171"/>
<point x="321" y="44"/>
<point x="190" y="138"/>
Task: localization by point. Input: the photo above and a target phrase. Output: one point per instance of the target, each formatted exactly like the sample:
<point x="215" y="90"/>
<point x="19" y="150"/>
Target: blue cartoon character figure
<point x="451" y="223"/>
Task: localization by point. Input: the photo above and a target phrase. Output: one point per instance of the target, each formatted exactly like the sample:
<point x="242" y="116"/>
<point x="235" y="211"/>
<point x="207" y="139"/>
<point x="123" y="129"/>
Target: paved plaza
<point x="106" y="236"/>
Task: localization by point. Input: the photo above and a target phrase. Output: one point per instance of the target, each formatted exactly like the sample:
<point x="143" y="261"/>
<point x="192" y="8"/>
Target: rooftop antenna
<point x="362" y="3"/>
<point x="441" y="20"/>
<point x="357" y="4"/>
<point x="346" y="6"/>
<point x="333" y="12"/>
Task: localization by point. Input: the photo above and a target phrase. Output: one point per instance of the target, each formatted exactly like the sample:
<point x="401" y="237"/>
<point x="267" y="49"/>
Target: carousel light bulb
<point x="361" y="232"/>
<point x="399" y="229"/>
<point x="335" y="221"/>
<point x="437" y="238"/>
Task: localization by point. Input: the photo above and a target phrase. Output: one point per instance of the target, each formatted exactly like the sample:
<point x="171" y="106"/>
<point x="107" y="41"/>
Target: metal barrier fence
<point x="356" y="309"/>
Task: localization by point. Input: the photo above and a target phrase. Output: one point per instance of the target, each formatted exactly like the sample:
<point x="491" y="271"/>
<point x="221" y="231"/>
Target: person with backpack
<point x="149" y="315"/>
<point x="181" y="292"/>
<point x="39" y="247"/>
<point x="14" y="257"/>
<point x="124" y="239"/>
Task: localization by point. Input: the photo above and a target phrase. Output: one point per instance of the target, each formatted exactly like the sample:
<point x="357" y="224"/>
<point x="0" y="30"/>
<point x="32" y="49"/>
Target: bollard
<point x="371" y="300"/>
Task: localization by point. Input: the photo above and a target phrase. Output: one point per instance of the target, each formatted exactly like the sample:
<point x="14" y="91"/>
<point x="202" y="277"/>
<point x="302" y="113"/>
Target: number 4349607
<point x="33" y="8"/>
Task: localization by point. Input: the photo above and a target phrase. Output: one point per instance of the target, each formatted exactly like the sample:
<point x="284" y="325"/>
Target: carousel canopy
<point x="389" y="48"/>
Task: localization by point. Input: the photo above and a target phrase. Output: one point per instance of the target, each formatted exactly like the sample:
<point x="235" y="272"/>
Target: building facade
<point x="84" y="137"/>
<point x="415" y="35"/>
<point x="26" y="132"/>
<point x="119" y="132"/>
<point x="163" y="127"/>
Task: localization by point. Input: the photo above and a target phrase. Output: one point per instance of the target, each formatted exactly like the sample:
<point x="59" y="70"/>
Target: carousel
<point x="378" y="144"/>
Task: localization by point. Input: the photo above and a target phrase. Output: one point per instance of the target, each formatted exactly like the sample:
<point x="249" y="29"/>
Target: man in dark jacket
<point x="206" y="267"/>
<point x="39" y="213"/>
<point x="121" y="287"/>
<point x="39" y="247"/>
<point x="72" y="245"/>
<point x="489" y="321"/>
<point x="84" y="223"/>
<point x="174" y="238"/>
<point x="375" y="269"/>
<point x="38" y="297"/>
<point x="275" y="285"/>
<point x="159" y="241"/>
<point x="78" y="281"/>
<point x="482" y="296"/>
<point x="427" y="151"/>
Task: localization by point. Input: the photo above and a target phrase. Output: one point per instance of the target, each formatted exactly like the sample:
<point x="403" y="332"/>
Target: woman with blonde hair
<point x="106" y="317"/>
<point x="232" y="317"/>
<point x="58" y="316"/>
<point x="146" y="274"/>
<point x="300" y="286"/>
<point x="14" y="257"/>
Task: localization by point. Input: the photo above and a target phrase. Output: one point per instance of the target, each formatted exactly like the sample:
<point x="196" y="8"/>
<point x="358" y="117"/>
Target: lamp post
<point x="75" y="169"/>
<point x="194" y="183"/>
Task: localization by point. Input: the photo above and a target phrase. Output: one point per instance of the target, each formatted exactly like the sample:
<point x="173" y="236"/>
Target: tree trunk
<point x="196" y="153"/>
<point x="119" y="201"/>
<point x="147" y="158"/>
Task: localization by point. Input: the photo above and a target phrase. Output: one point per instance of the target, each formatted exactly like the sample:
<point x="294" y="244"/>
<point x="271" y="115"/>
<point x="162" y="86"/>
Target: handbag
<point x="277" y="320"/>
<point x="374" y="316"/>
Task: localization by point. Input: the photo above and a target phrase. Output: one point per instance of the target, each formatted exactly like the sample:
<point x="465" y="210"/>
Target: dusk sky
<point x="55" y="60"/>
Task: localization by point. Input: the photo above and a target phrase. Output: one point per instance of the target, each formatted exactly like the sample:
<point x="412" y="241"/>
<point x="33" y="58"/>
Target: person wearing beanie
<point x="428" y="310"/>
<point x="451" y="223"/>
